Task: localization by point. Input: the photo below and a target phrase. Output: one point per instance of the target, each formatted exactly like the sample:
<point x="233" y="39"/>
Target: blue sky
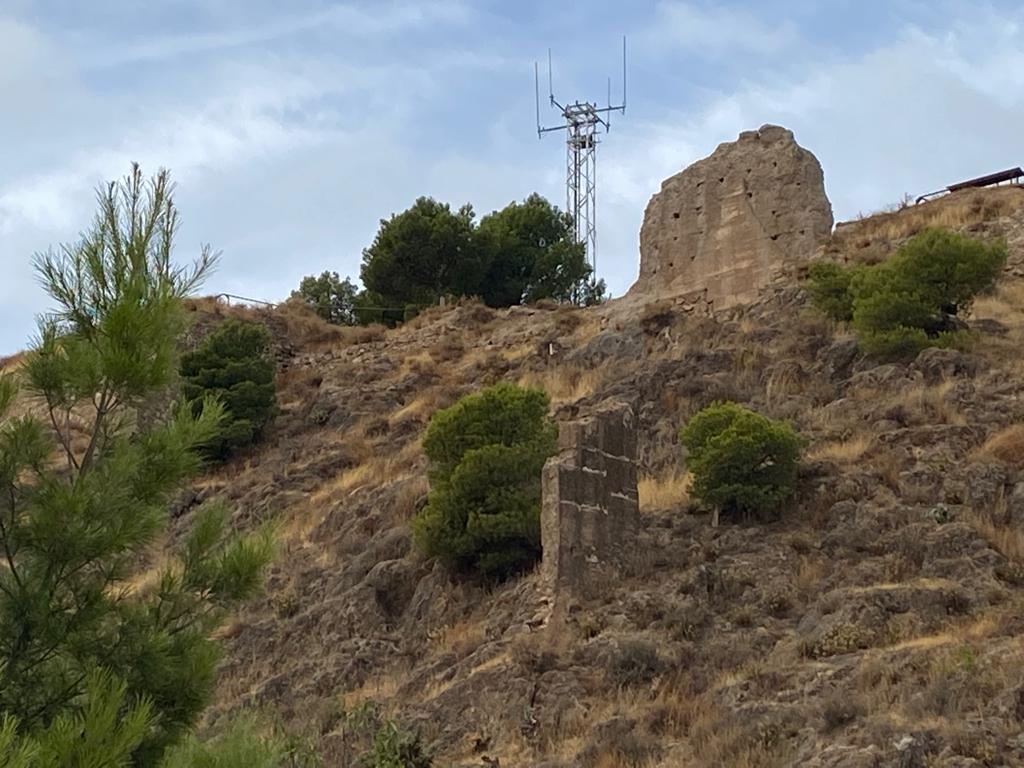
<point x="293" y="128"/>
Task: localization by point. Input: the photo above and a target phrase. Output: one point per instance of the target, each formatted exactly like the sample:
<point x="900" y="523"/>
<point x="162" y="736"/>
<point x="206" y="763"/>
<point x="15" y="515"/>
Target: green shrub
<point x="911" y="301"/>
<point x="486" y="453"/>
<point x="233" y="364"/>
<point x="741" y="461"/>
<point x="393" y="748"/>
<point x="829" y="286"/>
<point x="240" y="746"/>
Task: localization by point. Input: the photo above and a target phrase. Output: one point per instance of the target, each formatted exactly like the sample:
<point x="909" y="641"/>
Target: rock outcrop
<point x="733" y="223"/>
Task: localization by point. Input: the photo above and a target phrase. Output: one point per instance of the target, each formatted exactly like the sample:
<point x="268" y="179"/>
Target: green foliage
<point x="486" y="453"/>
<point x="234" y="366"/>
<point x="330" y="297"/>
<point x="909" y="302"/>
<point x="393" y="748"/>
<point x="829" y="287"/>
<point x="531" y="254"/>
<point x="104" y="731"/>
<point x="86" y="662"/>
<point x="241" y="746"/>
<point x="741" y="461"/>
<point x="423" y="253"/>
<point x="524" y="252"/>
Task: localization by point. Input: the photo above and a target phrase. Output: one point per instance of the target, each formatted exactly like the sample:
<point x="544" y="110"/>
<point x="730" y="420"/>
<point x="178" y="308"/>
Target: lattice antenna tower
<point x="584" y="122"/>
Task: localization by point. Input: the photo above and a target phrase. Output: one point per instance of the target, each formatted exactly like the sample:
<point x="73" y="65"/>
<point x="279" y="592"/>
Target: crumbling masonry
<point x="590" y="513"/>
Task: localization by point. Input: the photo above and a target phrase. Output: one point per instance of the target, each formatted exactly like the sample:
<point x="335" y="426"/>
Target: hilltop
<point x="878" y="620"/>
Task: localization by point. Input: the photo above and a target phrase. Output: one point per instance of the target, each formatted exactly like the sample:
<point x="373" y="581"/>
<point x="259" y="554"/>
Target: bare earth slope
<point x="879" y="622"/>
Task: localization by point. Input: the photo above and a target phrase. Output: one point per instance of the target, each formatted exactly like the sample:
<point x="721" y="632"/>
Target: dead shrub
<point x="841" y="708"/>
<point x="541" y="651"/>
<point x="634" y="662"/>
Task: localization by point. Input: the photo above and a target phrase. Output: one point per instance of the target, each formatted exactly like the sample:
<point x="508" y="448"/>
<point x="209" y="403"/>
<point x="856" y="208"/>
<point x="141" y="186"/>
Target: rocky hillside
<point x="878" y="622"/>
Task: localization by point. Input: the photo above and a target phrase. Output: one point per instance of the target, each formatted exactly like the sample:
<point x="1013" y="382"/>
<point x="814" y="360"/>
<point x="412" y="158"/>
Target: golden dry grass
<point x="669" y="490"/>
<point x="12" y="362"/>
<point x="929" y="402"/>
<point x="955" y="211"/>
<point x="1008" y="540"/>
<point x="843" y="452"/>
<point x="565" y="384"/>
<point x="810" y="573"/>
<point x="375" y="470"/>
<point x="422" y="363"/>
<point x="973" y="629"/>
<point x="1006" y="445"/>
<point x="376" y="689"/>
<point x="421" y="408"/>
<point x="461" y="638"/>
<point x="919" y="403"/>
<point x="1005" y="304"/>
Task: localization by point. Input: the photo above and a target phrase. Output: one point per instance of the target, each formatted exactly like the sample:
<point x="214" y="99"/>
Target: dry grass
<point x="461" y="638"/>
<point x="810" y="573"/>
<point x="955" y="211"/>
<point x="421" y="408"/>
<point x="1005" y="304"/>
<point x="12" y="362"/>
<point x="917" y="404"/>
<point x="670" y="490"/>
<point x="377" y="689"/>
<point x="421" y="364"/>
<point x="1005" y="445"/>
<point x="374" y="471"/>
<point x="1008" y="540"/>
<point x="843" y="452"/>
<point x="565" y="384"/>
<point x="972" y="630"/>
<point x="930" y="404"/>
<point x="306" y="329"/>
<point x="409" y="495"/>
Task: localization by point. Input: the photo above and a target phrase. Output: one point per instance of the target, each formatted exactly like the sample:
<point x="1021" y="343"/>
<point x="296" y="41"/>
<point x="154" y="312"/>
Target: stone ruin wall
<point x="730" y="225"/>
<point x="590" y="512"/>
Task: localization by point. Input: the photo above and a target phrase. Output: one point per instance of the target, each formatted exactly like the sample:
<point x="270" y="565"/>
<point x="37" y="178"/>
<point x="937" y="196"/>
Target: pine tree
<point x="84" y="489"/>
<point x="233" y="364"/>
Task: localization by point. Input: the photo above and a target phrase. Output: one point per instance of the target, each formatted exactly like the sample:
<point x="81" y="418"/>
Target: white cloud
<point x="718" y="30"/>
<point x="347" y="21"/>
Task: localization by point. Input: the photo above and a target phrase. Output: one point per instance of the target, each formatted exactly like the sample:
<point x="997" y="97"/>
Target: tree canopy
<point x="423" y="253"/>
<point x="330" y="297"/>
<point x="522" y="253"/>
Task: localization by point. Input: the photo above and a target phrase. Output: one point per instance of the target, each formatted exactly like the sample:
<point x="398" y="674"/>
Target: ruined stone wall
<point x="590" y="513"/>
<point x="734" y="223"/>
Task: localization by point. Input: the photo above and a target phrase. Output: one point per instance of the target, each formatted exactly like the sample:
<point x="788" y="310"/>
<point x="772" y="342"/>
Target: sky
<point x="293" y="128"/>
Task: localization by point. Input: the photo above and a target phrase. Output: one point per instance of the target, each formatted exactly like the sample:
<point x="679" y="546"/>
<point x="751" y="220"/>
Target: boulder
<point x="734" y="222"/>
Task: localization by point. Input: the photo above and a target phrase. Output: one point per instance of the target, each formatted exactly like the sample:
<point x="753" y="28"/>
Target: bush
<point x="911" y="301"/>
<point x="233" y="364"/>
<point x="741" y="461"/>
<point x="393" y="748"/>
<point x="486" y="453"/>
<point x="829" y="287"/>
